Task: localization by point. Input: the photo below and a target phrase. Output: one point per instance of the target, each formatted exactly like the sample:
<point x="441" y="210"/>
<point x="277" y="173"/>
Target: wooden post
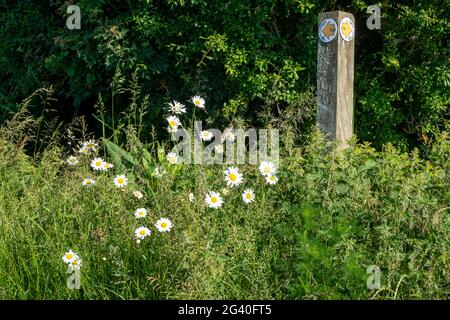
<point x="335" y="70"/>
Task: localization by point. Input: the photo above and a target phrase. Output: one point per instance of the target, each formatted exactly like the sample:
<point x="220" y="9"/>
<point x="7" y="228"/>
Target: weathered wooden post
<point x="335" y="70"/>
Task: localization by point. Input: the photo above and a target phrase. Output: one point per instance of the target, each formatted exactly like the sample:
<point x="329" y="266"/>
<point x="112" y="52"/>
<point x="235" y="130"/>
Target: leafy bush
<point x="248" y="58"/>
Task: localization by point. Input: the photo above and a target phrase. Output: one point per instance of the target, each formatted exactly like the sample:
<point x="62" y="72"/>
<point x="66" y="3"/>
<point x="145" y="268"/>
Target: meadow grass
<point x="311" y="236"/>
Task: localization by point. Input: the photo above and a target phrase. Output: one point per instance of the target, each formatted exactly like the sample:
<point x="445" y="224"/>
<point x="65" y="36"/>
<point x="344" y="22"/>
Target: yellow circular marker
<point x="347" y="29"/>
<point x="327" y="30"/>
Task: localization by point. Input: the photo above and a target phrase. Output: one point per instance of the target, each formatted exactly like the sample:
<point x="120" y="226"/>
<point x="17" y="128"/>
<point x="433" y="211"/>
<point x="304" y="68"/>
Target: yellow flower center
<point x="69" y="256"/>
<point x="197" y="102"/>
<point x="98" y="163"/>
<point x="120" y="180"/>
<point x="249" y="195"/>
<point x="75" y="262"/>
<point x="88" y="181"/>
<point x="213" y="199"/>
<point x="172" y="123"/>
<point x="232" y="177"/>
<point x="163" y="224"/>
<point x="142" y="232"/>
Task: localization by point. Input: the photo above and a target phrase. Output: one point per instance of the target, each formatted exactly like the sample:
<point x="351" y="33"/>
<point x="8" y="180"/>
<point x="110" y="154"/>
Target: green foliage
<point x="245" y="57"/>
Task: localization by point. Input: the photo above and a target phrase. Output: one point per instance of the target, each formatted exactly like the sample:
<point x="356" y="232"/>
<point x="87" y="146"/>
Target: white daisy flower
<point x="271" y="179"/>
<point x="120" y="181"/>
<point x="90" y="145"/>
<point x="233" y="177"/>
<point x="218" y="149"/>
<point x="98" y="164"/>
<point x="213" y="200"/>
<point x="69" y="256"/>
<point x="159" y="172"/>
<point x="106" y="166"/>
<point x="72" y="161"/>
<point x="173" y="121"/>
<point x="163" y="225"/>
<point x="75" y="264"/>
<point x="172" y="130"/>
<point x="138" y="194"/>
<point x="83" y="150"/>
<point x="140" y="213"/>
<point x="88" y="182"/>
<point x="248" y="196"/>
<point x="206" y="135"/>
<point x="172" y="157"/>
<point x="142" y="232"/>
<point x="228" y="135"/>
<point x="267" y="168"/>
<point x="191" y="197"/>
<point x="176" y="107"/>
<point x="199" y="102"/>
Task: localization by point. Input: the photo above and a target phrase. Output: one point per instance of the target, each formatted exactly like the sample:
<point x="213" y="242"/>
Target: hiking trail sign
<point x="335" y="72"/>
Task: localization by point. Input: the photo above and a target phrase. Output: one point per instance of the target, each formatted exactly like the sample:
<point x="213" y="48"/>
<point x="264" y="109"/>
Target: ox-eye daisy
<point x="142" y="232"/>
<point x="172" y="157"/>
<point x="176" y="107"/>
<point x="163" y="225"/>
<point x="138" y="194"/>
<point x="271" y="179"/>
<point x="75" y="264"/>
<point x="140" y="213"/>
<point x="228" y="135"/>
<point x="199" y="102"/>
<point x="267" y="168"/>
<point x="106" y="166"/>
<point x="72" y="161"/>
<point x="248" y="196"/>
<point x="88" y="182"/>
<point x="69" y="256"/>
<point x="206" y="135"/>
<point x="233" y="177"/>
<point x="120" y="181"/>
<point x="173" y="121"/>
<point x="98" y="164"/>
<point x="213" y="200"/>
<point x="90" y="145"/>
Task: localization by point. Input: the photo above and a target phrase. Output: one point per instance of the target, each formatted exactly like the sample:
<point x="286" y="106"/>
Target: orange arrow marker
<point x="328" y="30"/>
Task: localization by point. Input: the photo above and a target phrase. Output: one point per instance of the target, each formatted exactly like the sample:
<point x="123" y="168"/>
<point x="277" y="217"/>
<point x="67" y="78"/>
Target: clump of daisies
<point x="163" y="225"/>
<point x="72" y="260"/>
<point x="213" y="200"/>
<point x="142" y="232"/>
<point x="268" y="170"/>
<point x="233" y="177"/>
<point x="120" y="181"/>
